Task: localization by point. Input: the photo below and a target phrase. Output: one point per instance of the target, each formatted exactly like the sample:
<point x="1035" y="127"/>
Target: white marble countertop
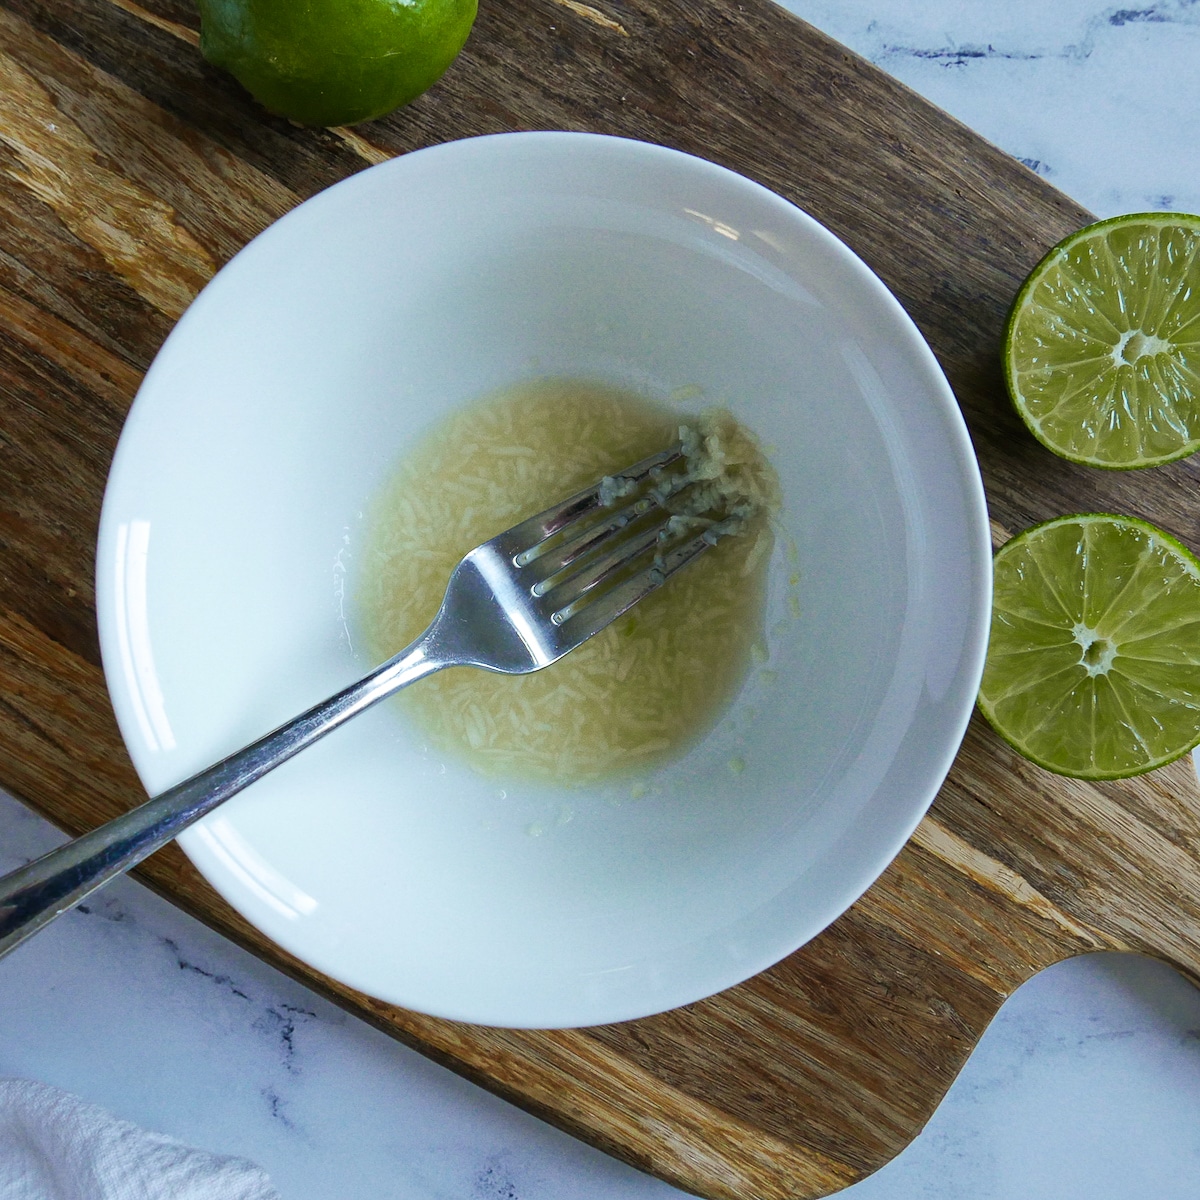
<point x="1086" y="1085"/>
<point x="1103" y="101"/>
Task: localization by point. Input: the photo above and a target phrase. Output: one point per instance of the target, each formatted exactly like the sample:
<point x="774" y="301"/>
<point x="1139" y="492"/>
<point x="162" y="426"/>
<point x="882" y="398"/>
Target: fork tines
<point x="588" y="559"/>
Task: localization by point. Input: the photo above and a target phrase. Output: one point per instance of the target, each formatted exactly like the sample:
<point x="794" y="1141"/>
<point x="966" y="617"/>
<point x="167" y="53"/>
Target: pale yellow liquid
<point x="632" y="697"/>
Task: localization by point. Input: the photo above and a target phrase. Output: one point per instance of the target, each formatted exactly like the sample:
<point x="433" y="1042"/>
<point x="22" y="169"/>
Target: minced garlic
<point x="642" y="690"/>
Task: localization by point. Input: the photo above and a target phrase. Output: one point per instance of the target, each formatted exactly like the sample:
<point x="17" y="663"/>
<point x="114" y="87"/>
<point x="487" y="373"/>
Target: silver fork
<point x="515" y="604"/>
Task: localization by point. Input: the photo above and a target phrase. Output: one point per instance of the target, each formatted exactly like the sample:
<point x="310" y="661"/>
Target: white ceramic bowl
<point x="277" y="406"/>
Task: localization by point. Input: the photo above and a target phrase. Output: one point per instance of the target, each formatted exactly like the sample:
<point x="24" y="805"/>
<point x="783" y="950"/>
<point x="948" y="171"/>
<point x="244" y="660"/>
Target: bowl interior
<point x="234" y="514"/>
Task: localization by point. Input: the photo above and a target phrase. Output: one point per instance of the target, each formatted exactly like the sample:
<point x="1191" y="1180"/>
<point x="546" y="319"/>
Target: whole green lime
<point x="334" y="62"/>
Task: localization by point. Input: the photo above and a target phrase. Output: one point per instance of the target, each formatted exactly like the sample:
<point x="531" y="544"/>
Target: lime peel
<point x="334" y="62"/>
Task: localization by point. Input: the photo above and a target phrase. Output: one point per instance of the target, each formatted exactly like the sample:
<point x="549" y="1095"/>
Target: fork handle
<point x="33" y="895"/>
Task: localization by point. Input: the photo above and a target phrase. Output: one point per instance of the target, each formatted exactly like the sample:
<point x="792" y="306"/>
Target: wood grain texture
<point x="130" y="170"/>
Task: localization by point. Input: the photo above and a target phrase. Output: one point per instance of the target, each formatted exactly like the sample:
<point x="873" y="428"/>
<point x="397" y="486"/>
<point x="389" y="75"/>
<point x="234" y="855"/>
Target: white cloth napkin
<point x="54" y="1146"/>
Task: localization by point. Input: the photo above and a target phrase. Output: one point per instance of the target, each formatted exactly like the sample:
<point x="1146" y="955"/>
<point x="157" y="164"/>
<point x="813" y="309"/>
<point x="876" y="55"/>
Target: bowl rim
<point x="971" y="659"/>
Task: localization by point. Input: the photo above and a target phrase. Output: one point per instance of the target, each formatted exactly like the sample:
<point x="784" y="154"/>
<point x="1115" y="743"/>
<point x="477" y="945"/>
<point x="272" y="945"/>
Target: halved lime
<point x="1102" y="348"/>
<point x="1093" y="668"/>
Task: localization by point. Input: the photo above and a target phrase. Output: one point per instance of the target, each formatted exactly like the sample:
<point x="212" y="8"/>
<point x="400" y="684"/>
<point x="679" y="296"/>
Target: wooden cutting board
<point x="130" y="170"/>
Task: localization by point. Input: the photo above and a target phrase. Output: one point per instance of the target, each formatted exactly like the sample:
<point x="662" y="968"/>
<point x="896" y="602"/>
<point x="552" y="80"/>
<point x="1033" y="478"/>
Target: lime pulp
<point x="1093" y="668"/>
<point x="1102" y="347"/>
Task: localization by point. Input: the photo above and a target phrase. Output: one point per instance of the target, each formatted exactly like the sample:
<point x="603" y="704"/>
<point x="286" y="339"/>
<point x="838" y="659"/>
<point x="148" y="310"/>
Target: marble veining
<point x="1100" y="100"/>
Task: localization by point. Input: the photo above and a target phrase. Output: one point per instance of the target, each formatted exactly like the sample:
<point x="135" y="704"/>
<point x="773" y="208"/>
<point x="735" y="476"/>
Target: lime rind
<point x="334" y="62"/>
<point x="1134" y="591"/>
<point x="1077" y="314"/>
